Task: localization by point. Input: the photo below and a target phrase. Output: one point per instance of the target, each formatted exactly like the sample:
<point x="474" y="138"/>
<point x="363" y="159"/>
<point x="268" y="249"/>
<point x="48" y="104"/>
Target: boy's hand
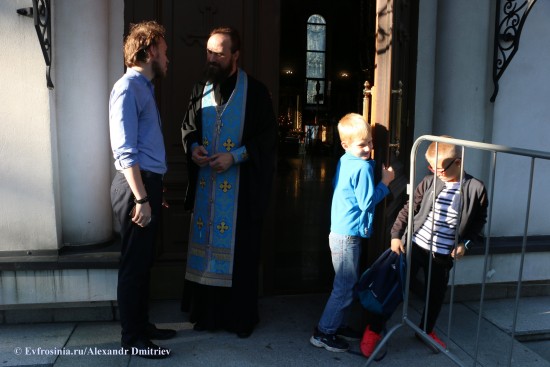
<point x="458" y="251"/>
<point x="397" y="246"/>
<point x="387" y="175"/>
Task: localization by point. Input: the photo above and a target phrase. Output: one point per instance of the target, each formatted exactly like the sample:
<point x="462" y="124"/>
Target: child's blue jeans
<point x="345" y="252"/>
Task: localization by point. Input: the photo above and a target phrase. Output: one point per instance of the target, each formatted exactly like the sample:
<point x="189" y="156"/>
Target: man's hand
<point x="200" y="156"/>
<point x="220" y="162"/>
<point x="164" y="202"/>
<point x="397" y="246"/>
<point x="142" y="214"/>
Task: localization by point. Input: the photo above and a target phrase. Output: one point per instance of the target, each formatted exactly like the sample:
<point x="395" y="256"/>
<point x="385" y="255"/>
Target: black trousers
<point x="441" y="266"/>
<point x="137" y="254"/>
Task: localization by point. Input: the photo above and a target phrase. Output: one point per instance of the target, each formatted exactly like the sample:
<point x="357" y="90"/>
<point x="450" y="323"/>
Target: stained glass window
<point x="315" y="58"/>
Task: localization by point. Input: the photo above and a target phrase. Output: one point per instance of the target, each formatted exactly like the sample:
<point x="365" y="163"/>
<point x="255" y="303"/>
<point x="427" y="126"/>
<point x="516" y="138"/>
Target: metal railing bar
<point x="485" y="146"/>
<point x="523" y="247"/>
<point x="428" y="284"/>
<point x="451" y="301"/>
<point x="494" y="148"/>
<point x="429" y="340"/>
<point x="486" y="256"/>
<point x="383" y="342"/>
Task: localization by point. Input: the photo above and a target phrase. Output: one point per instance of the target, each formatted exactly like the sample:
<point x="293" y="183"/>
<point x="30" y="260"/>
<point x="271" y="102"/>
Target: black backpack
<point x="381" y="287"/>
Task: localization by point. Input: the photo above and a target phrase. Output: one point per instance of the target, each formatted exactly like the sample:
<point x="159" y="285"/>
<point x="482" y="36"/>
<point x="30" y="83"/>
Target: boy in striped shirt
<point x="459" y="206"/>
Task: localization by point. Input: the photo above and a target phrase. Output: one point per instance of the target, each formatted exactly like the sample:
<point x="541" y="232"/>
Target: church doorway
<point x="328" y="50"/>
<point x="326" y="54"/>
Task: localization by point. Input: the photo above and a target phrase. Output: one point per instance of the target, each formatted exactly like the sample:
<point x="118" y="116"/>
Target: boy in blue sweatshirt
<point x="353" y="202"/>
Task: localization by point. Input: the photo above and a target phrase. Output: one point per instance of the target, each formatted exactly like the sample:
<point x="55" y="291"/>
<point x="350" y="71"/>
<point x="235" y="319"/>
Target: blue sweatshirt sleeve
<point x="364" y="188"/>
<point x="366" y="192"/>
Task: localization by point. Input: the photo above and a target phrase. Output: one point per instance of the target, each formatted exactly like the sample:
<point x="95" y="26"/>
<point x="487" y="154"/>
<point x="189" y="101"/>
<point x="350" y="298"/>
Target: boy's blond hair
<point x="353" y="126"/>
<point x="443" y="150"/>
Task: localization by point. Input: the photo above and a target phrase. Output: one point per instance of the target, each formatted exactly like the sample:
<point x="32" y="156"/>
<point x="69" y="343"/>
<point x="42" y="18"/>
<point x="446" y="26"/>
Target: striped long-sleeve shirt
<point x="440" y="225"/>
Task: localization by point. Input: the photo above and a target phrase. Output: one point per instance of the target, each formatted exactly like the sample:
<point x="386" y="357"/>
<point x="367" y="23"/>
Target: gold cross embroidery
<point x="225" y="186"/>
<point x="222" y="227"/>
<point x="202" y="183"/>
<point x="205" y="141"/>
<point x="200" y="223"/>
<point x="228" y="145"/>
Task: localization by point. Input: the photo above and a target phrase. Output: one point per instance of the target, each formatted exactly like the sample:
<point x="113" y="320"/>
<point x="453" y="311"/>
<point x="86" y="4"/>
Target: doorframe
<point x="394" y="77"/>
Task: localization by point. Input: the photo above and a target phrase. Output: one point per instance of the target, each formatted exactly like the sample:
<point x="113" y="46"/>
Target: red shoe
<point x="437" y="340"/>
<point x="369" y="342"/>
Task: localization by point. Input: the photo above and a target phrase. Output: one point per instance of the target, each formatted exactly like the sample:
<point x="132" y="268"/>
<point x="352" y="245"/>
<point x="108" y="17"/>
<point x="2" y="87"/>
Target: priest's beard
<point x="216" y="73"/>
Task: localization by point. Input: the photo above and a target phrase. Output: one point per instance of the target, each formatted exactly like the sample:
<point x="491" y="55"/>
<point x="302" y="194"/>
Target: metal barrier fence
<point x="405" y="321"/>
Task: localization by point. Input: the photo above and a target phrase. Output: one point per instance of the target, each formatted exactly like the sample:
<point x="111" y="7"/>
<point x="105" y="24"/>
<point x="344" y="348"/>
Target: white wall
<point x="502" y="268"/>
<point x="462" y="86"/>
<point x="453" y="70"/>
<point x="116" y="38"/>
<point x="82" y="94"/>
<point x="54" y="145"/>
<point x="425" y="76"/>
<point x="522" y="119"/>
<point x="28" y="218"/>
<point x="55" y="156"/>
<point x="57" y="286"/>
<point x="463" y="59"/>
<point x="116" y="61"/>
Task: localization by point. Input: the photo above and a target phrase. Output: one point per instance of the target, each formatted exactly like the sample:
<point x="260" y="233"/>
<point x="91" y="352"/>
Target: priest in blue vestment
<point x="230" y="138"/>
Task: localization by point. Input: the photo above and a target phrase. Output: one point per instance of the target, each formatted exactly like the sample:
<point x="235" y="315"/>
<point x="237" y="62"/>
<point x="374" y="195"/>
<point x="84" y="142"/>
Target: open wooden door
<point x="392" y="106"/>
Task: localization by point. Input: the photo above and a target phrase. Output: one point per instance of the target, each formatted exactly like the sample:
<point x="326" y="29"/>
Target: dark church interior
<point x="326" y="56"/>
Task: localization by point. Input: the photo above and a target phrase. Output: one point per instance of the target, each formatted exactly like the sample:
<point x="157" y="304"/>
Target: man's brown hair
<point x="142" y="36"/>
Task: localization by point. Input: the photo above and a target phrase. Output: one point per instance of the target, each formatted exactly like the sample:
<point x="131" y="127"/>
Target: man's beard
<point x="158" y="71"/>
<point x="216" y="74"/>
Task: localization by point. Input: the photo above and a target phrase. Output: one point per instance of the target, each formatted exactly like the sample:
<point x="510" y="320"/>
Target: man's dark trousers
<point x="137" y="254"/>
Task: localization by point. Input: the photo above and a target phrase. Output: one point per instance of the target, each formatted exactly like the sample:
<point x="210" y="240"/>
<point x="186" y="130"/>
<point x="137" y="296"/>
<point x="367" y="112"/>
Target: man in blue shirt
<point x="136" y="191"/>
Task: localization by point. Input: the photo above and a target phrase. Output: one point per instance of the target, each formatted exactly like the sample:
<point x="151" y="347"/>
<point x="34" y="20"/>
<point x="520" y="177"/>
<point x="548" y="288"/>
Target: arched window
<point x="315" y="58"/>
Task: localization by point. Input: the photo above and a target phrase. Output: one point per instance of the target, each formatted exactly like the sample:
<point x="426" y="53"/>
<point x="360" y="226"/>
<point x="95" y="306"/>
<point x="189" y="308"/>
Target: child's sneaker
<point x="328" y="341"/>
<point x="348" y="334"/>
<point x="369" y="342"/>
<point x="435" y="338"/>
